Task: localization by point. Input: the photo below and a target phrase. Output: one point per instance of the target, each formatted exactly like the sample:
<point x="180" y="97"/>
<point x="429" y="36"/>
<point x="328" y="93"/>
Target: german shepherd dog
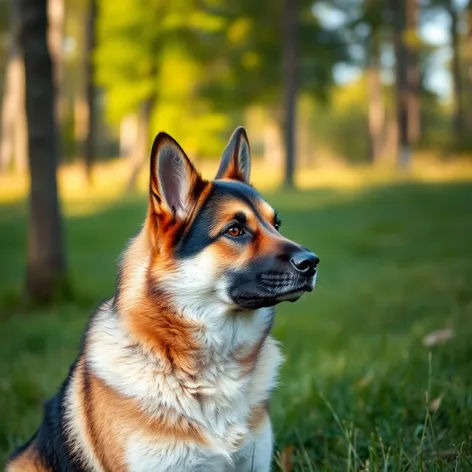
<point x="176" y="370"/>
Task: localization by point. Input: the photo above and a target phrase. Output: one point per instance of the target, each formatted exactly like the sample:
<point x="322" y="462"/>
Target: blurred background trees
<point x="317" y="82"/>
<point x="126" y="68"/>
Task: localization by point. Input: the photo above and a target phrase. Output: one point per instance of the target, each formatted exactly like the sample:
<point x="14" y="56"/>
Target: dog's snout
<point x="305" y="262"/>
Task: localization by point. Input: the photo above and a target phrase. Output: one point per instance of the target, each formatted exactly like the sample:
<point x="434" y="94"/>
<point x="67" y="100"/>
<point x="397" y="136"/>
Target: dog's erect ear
<point x="236" y="160"/>
<point x="173" y="177"/>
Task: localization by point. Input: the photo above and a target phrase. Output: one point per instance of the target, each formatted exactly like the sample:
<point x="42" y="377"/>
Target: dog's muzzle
<point x="286" y="280"/>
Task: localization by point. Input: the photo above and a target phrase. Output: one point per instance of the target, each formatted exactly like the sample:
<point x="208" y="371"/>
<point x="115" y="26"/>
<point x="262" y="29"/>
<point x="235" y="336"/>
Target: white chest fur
<point x="220" y="400"/>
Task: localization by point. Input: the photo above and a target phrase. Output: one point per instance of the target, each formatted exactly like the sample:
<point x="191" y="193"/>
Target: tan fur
<point x="111" y="418"/>
<point x="170" y="337"/>
<point x="259" y="414"/>
<point x="28" y="461"/>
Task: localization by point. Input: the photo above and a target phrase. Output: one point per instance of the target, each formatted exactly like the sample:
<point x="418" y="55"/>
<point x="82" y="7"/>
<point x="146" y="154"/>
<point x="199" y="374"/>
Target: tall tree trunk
<point x="56" y="17"/>
<point x="11" y="93"/>
<point x="46" y="265"/>
<point x="398" y="10"/>
<point x="141" y="150"/>
<point x="88" y="145"/>
<point x="414" y="72"/>
<point x="290" y="86"/>
<point x="128" y="133"/>
<point x="458" y="106"/>
<point x="469" y="65"/>
<point x="20" y="144"/>
<point x="376" y="109"/>
<point x="13" y="134"/>
<point x="273" y="152"/>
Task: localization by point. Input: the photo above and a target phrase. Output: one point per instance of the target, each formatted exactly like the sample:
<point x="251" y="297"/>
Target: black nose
<point x="305" y="262"/>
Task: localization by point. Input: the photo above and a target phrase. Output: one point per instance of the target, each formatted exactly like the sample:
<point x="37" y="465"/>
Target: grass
<point x="359" y="390"/>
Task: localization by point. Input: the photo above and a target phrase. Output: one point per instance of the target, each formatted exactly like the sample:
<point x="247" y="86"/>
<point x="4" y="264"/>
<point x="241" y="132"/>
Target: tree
<point x="376" y="109"/>
<point x="13" y="135"/>
<point x="140" y="150"/>
<point x="255" y="63"/>
<point x="402" y="95"/>
<point x="458" y="105"/>
<point x="290" y="86"/>
<point x="469" y="63"/>
<point x="46" y="264"/>
<point x="149" y="53"/>
<point x="88" y="114"/>
<point x="414" y="72"/>
<point x="55" y="37"/>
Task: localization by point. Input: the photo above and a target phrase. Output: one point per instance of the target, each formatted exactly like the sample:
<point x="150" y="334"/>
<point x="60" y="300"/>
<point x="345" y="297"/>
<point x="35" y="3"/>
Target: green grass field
<point x="359" y="390"/>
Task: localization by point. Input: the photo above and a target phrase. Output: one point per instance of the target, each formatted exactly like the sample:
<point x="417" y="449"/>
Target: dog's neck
<point x="182" y="326"/>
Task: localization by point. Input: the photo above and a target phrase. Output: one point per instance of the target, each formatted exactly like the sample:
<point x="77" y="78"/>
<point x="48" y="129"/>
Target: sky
<point x="433" y="30"/>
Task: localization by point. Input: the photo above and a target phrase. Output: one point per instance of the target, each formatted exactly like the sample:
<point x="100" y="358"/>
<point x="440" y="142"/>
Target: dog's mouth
<point x="271" y="289"/>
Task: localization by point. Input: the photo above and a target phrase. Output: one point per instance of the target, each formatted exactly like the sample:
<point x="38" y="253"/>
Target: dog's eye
<point x="277" y="223"/>
<point x="235" y="231"/>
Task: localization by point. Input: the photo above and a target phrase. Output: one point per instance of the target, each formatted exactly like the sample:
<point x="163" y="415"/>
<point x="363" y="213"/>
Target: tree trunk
<point x="290" y="86"/>
<point x="13" y="134"/>
<point x="273" y="149"/>
<point x="376" y="109"/>
<point x="20" y="145"/>
<point x="414" y="73"/>
<point x="88" y="145"/>
<point x="458" y="106"/>
<point x="56" y="16"/>
<point x="128" y="133"/>
<point x="140" y="153"/>
<point x="11" y="94"/>
<point x="398" y="11"/>
<point x="46" y="265"/>
<point x="469" y="65"/>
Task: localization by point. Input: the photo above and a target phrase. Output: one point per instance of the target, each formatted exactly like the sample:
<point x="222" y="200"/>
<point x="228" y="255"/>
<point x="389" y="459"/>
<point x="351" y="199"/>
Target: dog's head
<point x="219" y="241"/>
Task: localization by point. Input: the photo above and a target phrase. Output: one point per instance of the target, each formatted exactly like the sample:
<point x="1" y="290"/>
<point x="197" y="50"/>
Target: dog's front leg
<point x="256" y="456"/>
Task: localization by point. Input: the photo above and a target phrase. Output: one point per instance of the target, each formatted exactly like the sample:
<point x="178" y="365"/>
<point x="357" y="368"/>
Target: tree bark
<point x="20" y="144"/>
<point x="376" y="109"/>
<point x="458" y="106"/>
<point x="11" y="94"/>
<point x="398" y="10"/>
<point x="273" y="149"/>
<point x="13" y="134"/>
<point x="46" y="264"/>
<point x="290" y="86"/>
<point x="88" y="145"/>
<point x="469" y="65"/>
<point x="56" y="16"/>
<point x="414" y="73"/>
<point x="141" y="150"/>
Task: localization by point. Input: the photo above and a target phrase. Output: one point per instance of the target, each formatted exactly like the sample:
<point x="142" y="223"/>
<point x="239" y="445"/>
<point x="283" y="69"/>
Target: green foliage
<point x="201" y="61"/>
<point x="246" y="64"/>
<point x="146" y="50"/>
<point x="356" y="371"/>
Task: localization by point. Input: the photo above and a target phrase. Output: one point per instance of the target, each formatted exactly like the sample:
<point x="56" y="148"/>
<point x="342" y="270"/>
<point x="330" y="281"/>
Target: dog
<point x="176" y="369"/>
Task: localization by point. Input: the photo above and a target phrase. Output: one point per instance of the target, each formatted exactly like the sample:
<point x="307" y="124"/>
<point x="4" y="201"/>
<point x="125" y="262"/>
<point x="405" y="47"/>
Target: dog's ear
<point x="236" y="160"/>
<point x="173" y="177"/>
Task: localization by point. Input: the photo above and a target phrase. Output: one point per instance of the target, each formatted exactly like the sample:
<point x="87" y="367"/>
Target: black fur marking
<point x="197" y="237"/>
<point x="240" y="217"/>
